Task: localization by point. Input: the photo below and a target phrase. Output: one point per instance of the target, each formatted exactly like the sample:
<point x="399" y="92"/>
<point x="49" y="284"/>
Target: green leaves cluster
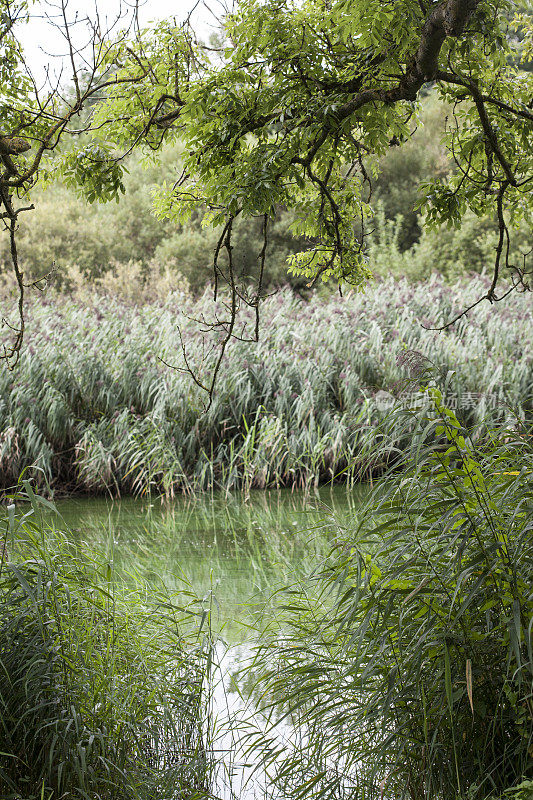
<point x="15" y="85"/>
<point x="94" y="172"/>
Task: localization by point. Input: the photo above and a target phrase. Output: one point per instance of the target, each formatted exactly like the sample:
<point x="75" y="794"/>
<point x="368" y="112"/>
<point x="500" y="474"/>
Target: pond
<point x="230" y="553"/>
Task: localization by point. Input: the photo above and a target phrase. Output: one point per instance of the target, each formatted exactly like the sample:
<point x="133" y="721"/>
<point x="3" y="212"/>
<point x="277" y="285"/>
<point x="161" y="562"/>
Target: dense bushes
<point x="448" y="252"/>
<point x="410" y="674"/>
<point x="100" y="694"/>
<point x="92" y="407"/>
<point x="64" y="232"/>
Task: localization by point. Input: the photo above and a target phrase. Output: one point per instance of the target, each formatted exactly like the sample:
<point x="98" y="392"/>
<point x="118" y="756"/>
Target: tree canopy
<point x="291" y="106"/>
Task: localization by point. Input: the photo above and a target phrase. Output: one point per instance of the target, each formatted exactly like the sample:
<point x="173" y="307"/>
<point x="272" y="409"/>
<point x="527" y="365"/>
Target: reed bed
<point x="91" y="406"/>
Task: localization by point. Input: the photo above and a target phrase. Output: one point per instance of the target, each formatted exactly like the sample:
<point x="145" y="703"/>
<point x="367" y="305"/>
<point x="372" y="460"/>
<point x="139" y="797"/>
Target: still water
<point x="228" y="555"/>
<point x="229" y="552"/>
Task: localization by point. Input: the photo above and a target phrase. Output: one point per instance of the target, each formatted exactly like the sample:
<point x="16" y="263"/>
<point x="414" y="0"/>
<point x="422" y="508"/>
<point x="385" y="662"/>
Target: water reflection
<point x="231" y="554"/>
<point x="228" y="552"/>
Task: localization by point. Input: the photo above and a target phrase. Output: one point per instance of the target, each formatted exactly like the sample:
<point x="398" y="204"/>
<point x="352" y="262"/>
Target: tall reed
<point x="407" y="673"/>
<point x="101" y="688"/>
<point x="95" y="410"/>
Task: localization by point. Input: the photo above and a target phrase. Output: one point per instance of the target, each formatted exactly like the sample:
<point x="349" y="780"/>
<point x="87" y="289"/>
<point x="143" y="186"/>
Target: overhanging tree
<point x="294" y="106"/>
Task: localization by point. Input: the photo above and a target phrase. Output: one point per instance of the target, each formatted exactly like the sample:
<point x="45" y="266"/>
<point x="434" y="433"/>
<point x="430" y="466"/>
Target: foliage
<point x="411" y="673"/>
<point x="93" y="168"/>
<point x="14" y="84"/>
<point x="102" y="240"/>
<point x="292" y="111"/>
<point x="451" y="253"/>
<point x="64" y="232"/>
<point x="93" y="407"/>
<point x="302" y="99"/>
<point x="402" y="169"/>
<point x="100" y="689"/>
<point x="522" y="792"/>
<point x="99" y="238"/>
<point x="39" y="116"/>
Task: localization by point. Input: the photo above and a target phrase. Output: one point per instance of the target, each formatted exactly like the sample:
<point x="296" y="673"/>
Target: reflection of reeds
<point x="101" y="687"/>
<point x="92" y="407"/>
<point x="215" y="546"/>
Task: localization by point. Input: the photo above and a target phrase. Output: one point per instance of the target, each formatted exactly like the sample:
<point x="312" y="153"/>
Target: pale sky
<point x="45" y="46"/>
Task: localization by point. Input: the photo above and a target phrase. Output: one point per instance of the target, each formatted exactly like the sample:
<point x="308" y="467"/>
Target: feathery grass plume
<point x="95" y="409"/>
<point x="409" y="676"/>
<point x="102" y="691"/>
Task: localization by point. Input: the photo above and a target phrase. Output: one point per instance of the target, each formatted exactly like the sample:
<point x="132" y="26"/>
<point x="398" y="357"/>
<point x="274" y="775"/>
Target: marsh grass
<point x="92" y="407"/>
<point x="102" y="685"/>
<point x="406" y="666"/>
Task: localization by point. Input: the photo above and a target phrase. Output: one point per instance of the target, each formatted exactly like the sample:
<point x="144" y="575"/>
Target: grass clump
<point x="411" y="676"/>
<point x="101" y="693"/>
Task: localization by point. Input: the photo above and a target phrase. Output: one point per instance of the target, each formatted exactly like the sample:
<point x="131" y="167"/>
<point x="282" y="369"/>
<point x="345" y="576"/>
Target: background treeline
<point x="68" y="236"/>
<point x="94" y="408"/>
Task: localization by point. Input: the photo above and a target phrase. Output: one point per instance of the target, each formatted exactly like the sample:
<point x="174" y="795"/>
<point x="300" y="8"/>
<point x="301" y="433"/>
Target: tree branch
<point x="449" y="77"/>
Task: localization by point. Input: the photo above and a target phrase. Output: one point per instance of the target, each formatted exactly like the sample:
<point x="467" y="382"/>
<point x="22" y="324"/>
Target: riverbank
<point x="304" y="575"/>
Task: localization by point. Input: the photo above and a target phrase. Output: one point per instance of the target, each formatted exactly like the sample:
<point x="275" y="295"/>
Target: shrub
<point x="449" y="252"/>
<point x="403" y="169"/>
<point x="65" y="232"/>
<point x="66" y="235"/>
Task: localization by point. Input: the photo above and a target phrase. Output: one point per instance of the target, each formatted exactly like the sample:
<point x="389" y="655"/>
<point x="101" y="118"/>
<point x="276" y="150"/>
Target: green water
<point x="229" y="552"/>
